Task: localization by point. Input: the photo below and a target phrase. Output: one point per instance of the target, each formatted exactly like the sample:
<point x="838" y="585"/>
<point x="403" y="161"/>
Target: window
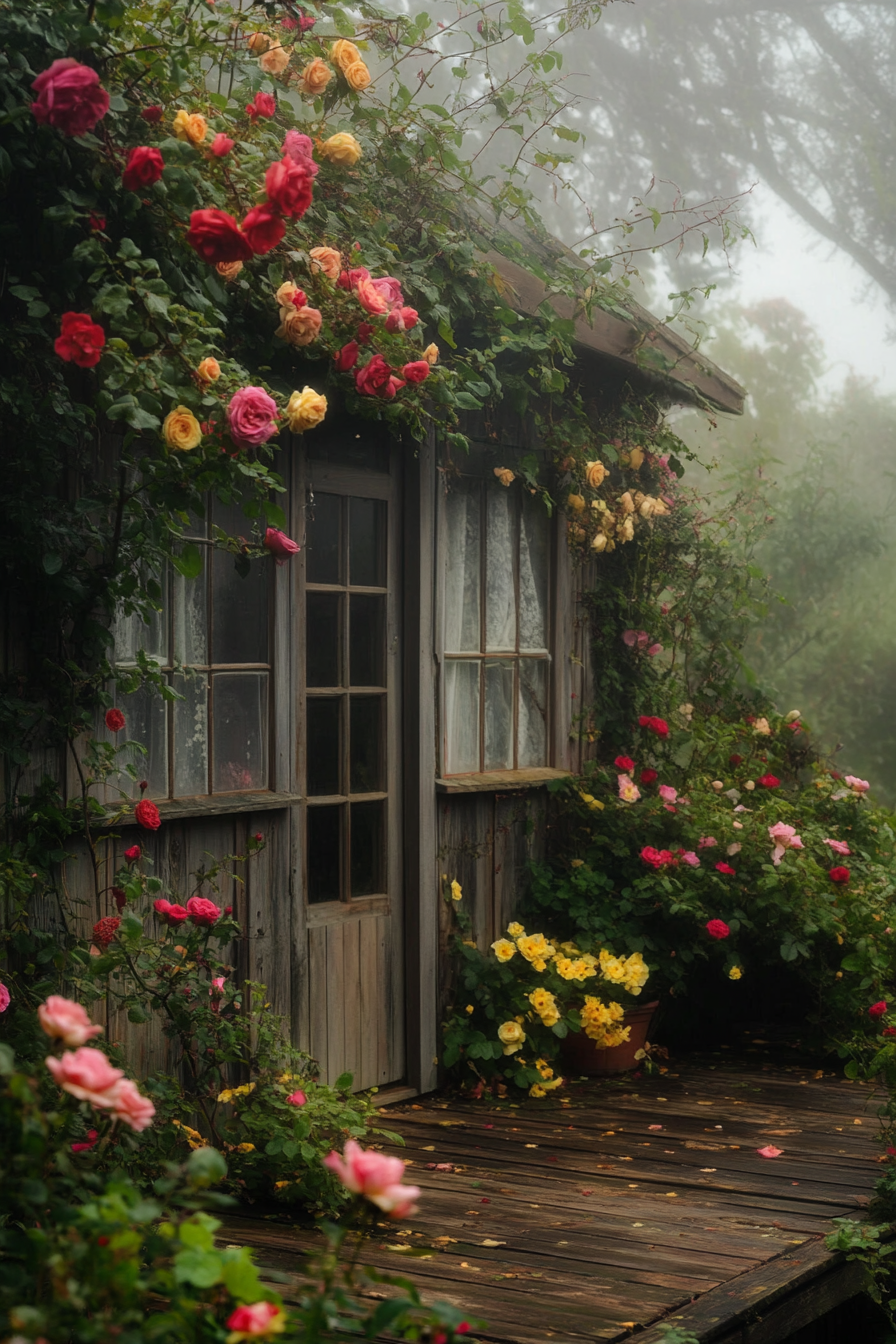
<point x="495" y="628"/>
<point x="212" y="642"/>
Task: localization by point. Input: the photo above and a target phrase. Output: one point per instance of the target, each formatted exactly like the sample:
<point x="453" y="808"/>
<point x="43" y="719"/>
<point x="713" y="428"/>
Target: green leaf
<point x="241" y="1277"/>
<point x="113" y="299"/>
<point x="201" y="1268"/>
<point x="344" y="1082"/>
<point x="468" y="402"/>
<point x="52" y="562"/>
<point x="189" y="562"/>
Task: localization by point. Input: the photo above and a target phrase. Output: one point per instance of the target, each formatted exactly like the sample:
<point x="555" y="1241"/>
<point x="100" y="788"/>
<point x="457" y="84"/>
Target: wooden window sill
<point x="215" y="805"/>
<point x="501" y="781"/>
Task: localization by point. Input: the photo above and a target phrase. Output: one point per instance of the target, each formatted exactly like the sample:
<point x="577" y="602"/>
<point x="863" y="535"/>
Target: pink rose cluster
<point x="376" y="1177"/>
<point x="86" y="1073"/>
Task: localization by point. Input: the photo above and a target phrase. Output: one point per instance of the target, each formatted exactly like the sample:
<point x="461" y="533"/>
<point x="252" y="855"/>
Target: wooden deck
<point x="631" y="1203"/>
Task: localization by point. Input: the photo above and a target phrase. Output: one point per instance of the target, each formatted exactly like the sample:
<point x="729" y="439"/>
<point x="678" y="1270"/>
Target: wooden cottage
<point x="385" y="709"/>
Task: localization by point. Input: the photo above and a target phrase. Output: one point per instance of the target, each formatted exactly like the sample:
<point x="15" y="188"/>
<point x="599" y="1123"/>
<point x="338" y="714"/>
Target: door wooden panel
<point x="352" y="1001"/>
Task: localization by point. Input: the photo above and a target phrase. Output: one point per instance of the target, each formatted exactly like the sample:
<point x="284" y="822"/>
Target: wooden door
<point x="351" y="761"/>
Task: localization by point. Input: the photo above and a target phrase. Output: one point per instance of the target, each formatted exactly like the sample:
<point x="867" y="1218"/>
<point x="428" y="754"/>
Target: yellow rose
<point x="628" y="504"/>
<point x="515" y="930"/>
<point x="537" y="1090"/>
<point x="245" y="1148"/>
<point x="504" y="949"/>
<point x="341" y="148"/>
<point x="284" y="294"/>
<point x="457" y="891"/>
<point x="327" y="260"/>
<point x="599" y="542"/>
<point x="511" y="1036"/>
<point x="504" y="475"/>
<point x="181" y="429"/>
<point x="469" y="1008"/>
<point x="305" y="409"/>
<point x="258" y="42"/>
<point x="190" y="126"/>
<point x="636" y="458"/>
<point x="594" y="474"/>
<point x="315" y="77"/>
<point x="209" y="370"/>
<point x="431" y="354"/>
<point x="735" y="973"/>
<point x="299" y="326"/>
<point x="576" y="503"/>
<point x="344" y="53"/>
<point x="627" y="531"/>
<point x="228" y="270"/>
<point x="275" y="60"/>
<point x="357" y="76"/>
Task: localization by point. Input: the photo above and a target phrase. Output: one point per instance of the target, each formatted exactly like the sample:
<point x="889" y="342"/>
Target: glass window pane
<point x="190" y="736"/>
<point x="146" y="723"/>
<point x="341" y="445"/>
<point x="323" y="745"/>
<point x="323" y="613"/>
<point x="324" y="825"/>
<point x="532" y="734"/>
<point x="534" y="533"/>
<point x="499" y="715"/>
<point x="239" y="611"/>
<point x="240" y="718"/>
<point x="461" y="716"/>
<point x="131" y="633"/>
<point x="367" y="638"/>
<point x="322" y="555"/>
<point x="368" y="876"/>
<point x="365" y="736"/>
<point x="500" y="599"/>
<point x="367" y="543"/>
<point x="462" y="560"/>
<point x="190" y="597"/>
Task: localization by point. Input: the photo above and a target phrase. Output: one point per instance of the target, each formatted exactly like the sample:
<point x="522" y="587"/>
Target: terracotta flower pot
<point x="582" y="1056"/>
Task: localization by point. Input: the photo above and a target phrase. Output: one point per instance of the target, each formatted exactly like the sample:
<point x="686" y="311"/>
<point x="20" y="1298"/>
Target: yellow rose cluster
<point x="598" y="1019"/>
<point x="630" y="972"/>
<point x="536" y="949"/>
<point x="545" y="1006"/>
<point x="616" y="526"/>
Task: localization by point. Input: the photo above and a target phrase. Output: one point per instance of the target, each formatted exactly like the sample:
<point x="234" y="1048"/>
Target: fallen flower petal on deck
<point x="770" y="1151"/>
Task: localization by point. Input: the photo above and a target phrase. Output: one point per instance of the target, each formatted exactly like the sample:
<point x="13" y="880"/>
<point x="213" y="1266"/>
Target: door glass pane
<point x="532" y="734"/>
<point x="533" y="576"/>
<point x="367" y="543"/>
<point x="461" y="716"/>
<point x="499" y="715"/>
<point x="191" y="735"/>
<point x="500" y="599"/>
<point x="322" y="642"/>
<point x="322" y="554"/>
<point x="324" y="826"/>
<point x="190" y="598"/>
<point x="239" y="611"/>
<point x="365" y="736"/>
<point x="239" y="706"/>
<point x="324" y="745"/>
<point x="367" y="635"/>
<point x="368" y="877"/>
<point x="146" y="722"/>
<point x="131" y="633"/>
<point x="462" y="521"/>
<point x="342" y="446"/>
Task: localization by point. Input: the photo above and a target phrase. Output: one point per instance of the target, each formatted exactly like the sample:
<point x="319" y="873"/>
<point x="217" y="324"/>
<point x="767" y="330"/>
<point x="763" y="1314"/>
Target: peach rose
<point x="190" y="126"/>
<point x="576" y="503"/>
<point x="431" y="353"/>
<point x="627" y="502"/>
<point x="341" y="148"/>
<point x="285" y="295"/>
<point x="86" y="1074"/>
<point x="275" y="60"/>
<point x="305" y="409"/>
<point x="594" y="474"/>
<point x="300" y="326"/>
<point x="181" y="430"/>
<point x="634" y="458"/>
<point x="327" y="260"/>
<point x="209" y="369"/>
<point x="505" y="475"/>
<point x="229" y="270"/>
<point x="370" y="297"/>
<point x="344" y="54"/>
<point x="129" y="1105"/>
<point x="66" y="1021"/>
<point x="258" y="42"/>
<point x="315" y="77"/>
<point x="357" y="76"/>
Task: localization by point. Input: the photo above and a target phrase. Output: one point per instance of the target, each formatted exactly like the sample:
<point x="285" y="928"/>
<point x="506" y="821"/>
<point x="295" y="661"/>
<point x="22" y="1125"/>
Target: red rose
<point x="288" y="185"/>
<point x="839" y="875"/>
<point x="172" y="915"/>
<point x="147" y="815"/>
<point x="657" y="858"/>
<point x="258" y="837"/>
<point x="114" y="720"/>
<point x="365" y="331"/>
<point x="658" y="726"/>
<point x="70" y="97"/>
<point x="347" y="357"/>
<point x="152" y="114"/>
<point x="417" y="371"/>
<point x="92" y="1137"/>
<point x="280" y="545"/>
<point x="625" y="763"/>
<point x="402" y="318"/>
<point x="735" y="759"/>
<point x="144" y="166"/>
<point x="889" y="1031"/>
<point x="215" y="236"/>
<point x="717" y="928"/>
<point x="263" y="106"/>
<point x="221" y="145"/>
<point x="374" y="378"/>
<point x="877" y="1009"/>
<point x="80" y="341"/>
<point x="726" y="869"/>
<point x="104" y="931"/>
<point x="132" y="855"/>
<point x="648" y="776"/>
<point x="263" y="229"/>
<point x="97" y="223"/>
<point x="299" y="299"/>
<point x="769" y="781"/>
<point x="202" y="912"/>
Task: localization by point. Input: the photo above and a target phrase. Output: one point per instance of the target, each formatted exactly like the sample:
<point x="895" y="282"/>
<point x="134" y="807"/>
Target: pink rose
<point x="92" y="1137"/>
<point x="667" y="793"/>
<point x="280" y="545"/>
<point x="351" y="279"/>
<point x="707" y="842"/>
<point x="129" y="1105"/>
<point x="402" y="318"/>
<point x="417" y="371"/>
<point x="376" y="1177"/>
<point x="69" y="97"/>
<point x="297" y="1098"/>
<point x="839" y="847"/>
<point x="172" y="915"/>
<point x="288" y="185"/>
<point x="628" y="790"/>
<point x="66" y="1021"/>
<point x="390" y="288"/>
<point x="5" y="998"/>
<point x="261" y="1318"/>
<point x="856" y="784"/>
<point x="300" y="149"/>
<point x="221" y="145"/>
<point x="202" y="912"/>
<point x="785" y="837"/>
<point x="370" y="297"/>
<point x="252" y="417"/>
<point x="87" y="1075"/>
<point x="690" y="858"/>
